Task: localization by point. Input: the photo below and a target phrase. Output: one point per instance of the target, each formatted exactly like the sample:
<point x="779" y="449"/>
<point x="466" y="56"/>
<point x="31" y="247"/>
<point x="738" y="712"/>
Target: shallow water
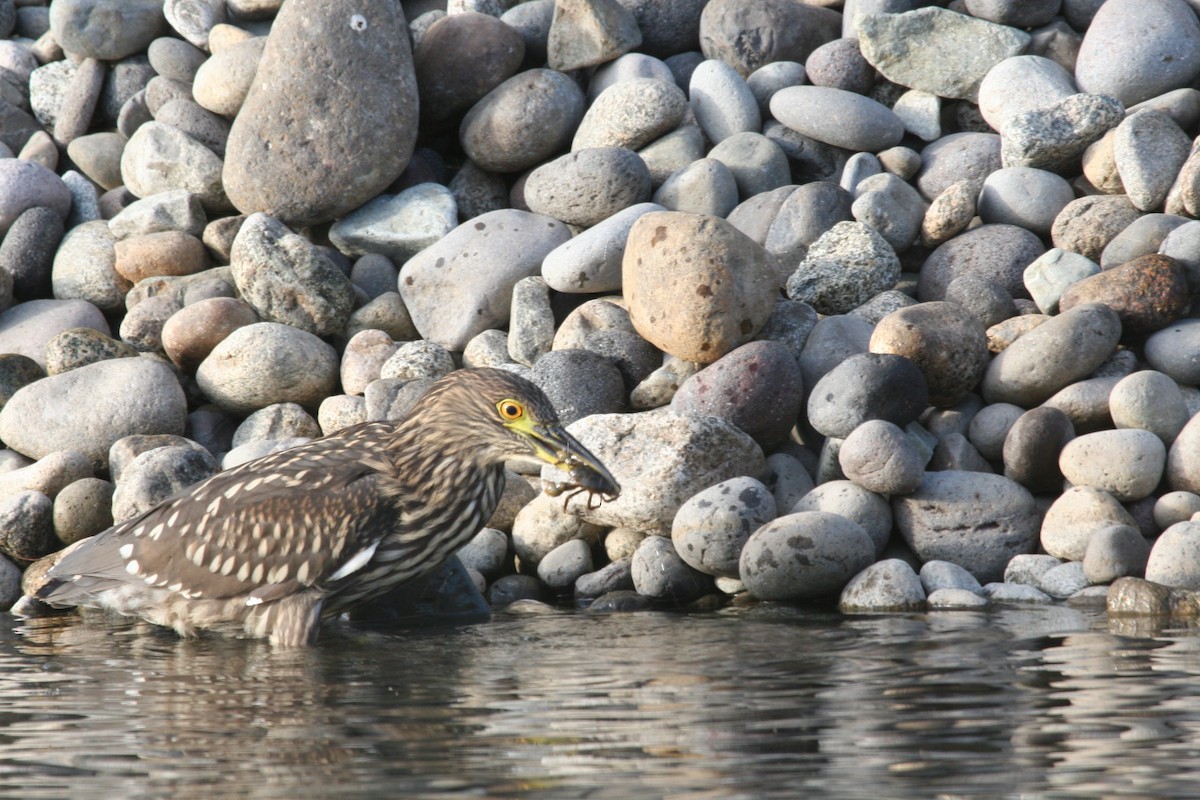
<point x="748" y="703"/>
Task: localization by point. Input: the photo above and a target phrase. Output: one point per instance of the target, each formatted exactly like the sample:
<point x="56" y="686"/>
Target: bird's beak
<point x="562" y="450"/>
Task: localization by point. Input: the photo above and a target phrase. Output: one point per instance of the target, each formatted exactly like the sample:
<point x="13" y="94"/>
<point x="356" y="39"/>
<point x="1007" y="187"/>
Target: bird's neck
<point x="424" y="466"/>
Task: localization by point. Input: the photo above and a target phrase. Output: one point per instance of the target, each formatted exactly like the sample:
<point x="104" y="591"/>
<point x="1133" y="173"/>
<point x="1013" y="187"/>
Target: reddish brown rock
<point x="696" y="286"/>
<point x="153" y="255"/>
<point x="191" y="333"/>
<point x="1148" y="293"/>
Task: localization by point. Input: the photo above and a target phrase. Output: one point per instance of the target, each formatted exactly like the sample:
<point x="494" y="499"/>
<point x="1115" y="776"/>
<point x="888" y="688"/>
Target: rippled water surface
<point x="752" y="703"/>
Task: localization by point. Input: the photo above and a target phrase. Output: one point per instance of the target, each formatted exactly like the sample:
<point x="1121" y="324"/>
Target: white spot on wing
<point x="132" y="568"/>
<point x="253" y="601"/>
<point x="355" y="562"/>
<point x="126" y="550"/>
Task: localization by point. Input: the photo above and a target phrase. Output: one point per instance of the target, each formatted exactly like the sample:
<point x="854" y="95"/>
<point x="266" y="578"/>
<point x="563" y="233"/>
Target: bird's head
<point x="509" y="418"/>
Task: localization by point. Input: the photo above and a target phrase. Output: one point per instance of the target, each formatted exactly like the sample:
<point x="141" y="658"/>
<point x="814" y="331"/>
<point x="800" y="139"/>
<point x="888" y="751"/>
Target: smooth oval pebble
<point x="1053" y="355"/>
<point x="943" y="341"/>
<point x="712" y="526"/>
<point x="888" y="585"/>
<point x="941" y="520"/>
<point x="722" y="101"/>
<point x="805" y="555"/>
<point x="1128" y="463"/>
<point x="864" y="387"/>
<point x="1149" y="400"/>
<point x="1023" y="196"/>
<point x="1175" y="557"/>
<point x="631" y="114"/>
<point x="588" y="185"/>
<point x="880" y="457"/>
<point x="837" y="117"/>
<point x="1075" y="516"/>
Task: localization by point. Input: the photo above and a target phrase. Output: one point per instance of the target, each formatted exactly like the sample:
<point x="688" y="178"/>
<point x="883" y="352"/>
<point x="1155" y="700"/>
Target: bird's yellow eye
<point x="510" y="410"/>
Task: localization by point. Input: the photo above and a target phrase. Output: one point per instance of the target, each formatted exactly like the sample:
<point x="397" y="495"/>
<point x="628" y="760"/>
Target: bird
<point x="277" y="544"/>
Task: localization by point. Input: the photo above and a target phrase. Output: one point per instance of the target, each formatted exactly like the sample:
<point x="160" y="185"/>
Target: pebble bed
<point x="870" y="303"/>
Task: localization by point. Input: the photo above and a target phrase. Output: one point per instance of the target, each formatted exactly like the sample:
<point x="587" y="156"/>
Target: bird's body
<point x="275" y="544"/>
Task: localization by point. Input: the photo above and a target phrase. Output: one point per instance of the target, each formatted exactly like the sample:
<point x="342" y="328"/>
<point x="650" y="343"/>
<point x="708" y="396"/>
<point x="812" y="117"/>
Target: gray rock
<point x="1015" y="593"/>
<point x="1149" y="150"/>
<point x="706" y="186"/>
<point x="711" y="527"/>
<point x="880" y="457"/>
<point x="1075" y="517"/>
<point x="123" y="396"/>
<point x="27" y="328"/>
<point x="673" y="152"/>
<point x="936" y="50"/>
<point x="287" y="279"/>
<point x="1026" y="197"/>
<point x="194" y="19"/>
<point x="1177" y="506"/>
<point x="956" y="157"/>
<point x="891" y="207"/>
<point x="591" y="261"/>
<point x="722" y="101"/>
<point x="1053" y="355"/>
<point x="1064" y="580"/>
<point x="844" y="268"/>
<point x="1128" y="464"/>
<point x="747" y="35"/>
<point x="173" y="210"/>
<point x="1088" y="224"/>
<point x="1052" y="272"/>
<point x="1173" y="351"/>
<point x="27" y="184"/>
<point x="541" y="525"/>
<point x="1143" y="236"/>
<point x="588" y="185"/>
<point x="462" y="285"/>
<point x="946" y="344"/>
<point x="616" y="576"/>
<point x="512" y="589"/>
<point x="523" y="121"/>
<point x="956" y="600"/>
<point x="837" y="117"/>
<point x="417" y="360"/>
<point x="156" y="475"/>
<point x="1151" y="401"/>
<point x="770" y="78"/>
<point x="584" y="33"/>
<point x="659" y="573"/>
<point x="840" y="65"/>
<point x="265" y="363"/>
<point x="804" y="216"/>
<point x="631" y="114"/>
<point x="159" y="158"/>
<point x="397" y="226"/>
<point x="1054" y="137"/>
<point x="972" y="519"/>
<point x="942" y="575"/>
<point x="531" y="327"/>
<point x="486" y="553"/>
<point x="831" y="341"/>
<point x="1175" y="557"/>
<point x="1117" y="551"/>
<point x="1022" y="83"/>
<point x="347" y="150"/>
<point x="1136" y="50"/>
<point x="804" y="555"/>
<point x="998" y="254"/>
<point x="27" y="526"/>
<point x="921" y="113"/>
<point x="565" y="564"/>
<point x="278" y="421"/>
<point x="28" y="249"/>
<point x="867" y="386"/>
<point x="579" y="383"/>
<point x="1183" y="468"/>
<point x="870" y="511"/>
<point x="1027" y="569"/>
<point x="888" y="585"/>
<point x="661" y="459"/>
<point x="627" y="67"/>
<point x="83" y="508"/>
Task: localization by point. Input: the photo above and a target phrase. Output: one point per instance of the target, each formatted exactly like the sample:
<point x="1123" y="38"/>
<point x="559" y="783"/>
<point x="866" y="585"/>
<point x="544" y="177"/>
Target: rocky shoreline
<point x="888" y="303"/>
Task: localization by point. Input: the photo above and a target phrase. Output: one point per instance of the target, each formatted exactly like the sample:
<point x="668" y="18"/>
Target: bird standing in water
<point x="278" y="543"/>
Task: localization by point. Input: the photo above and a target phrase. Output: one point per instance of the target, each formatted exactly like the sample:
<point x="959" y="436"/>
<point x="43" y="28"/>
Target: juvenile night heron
<point x="278" y="543"/>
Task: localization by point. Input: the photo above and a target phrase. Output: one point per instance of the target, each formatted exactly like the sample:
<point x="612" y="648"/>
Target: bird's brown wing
<point x="265" y="529"/>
